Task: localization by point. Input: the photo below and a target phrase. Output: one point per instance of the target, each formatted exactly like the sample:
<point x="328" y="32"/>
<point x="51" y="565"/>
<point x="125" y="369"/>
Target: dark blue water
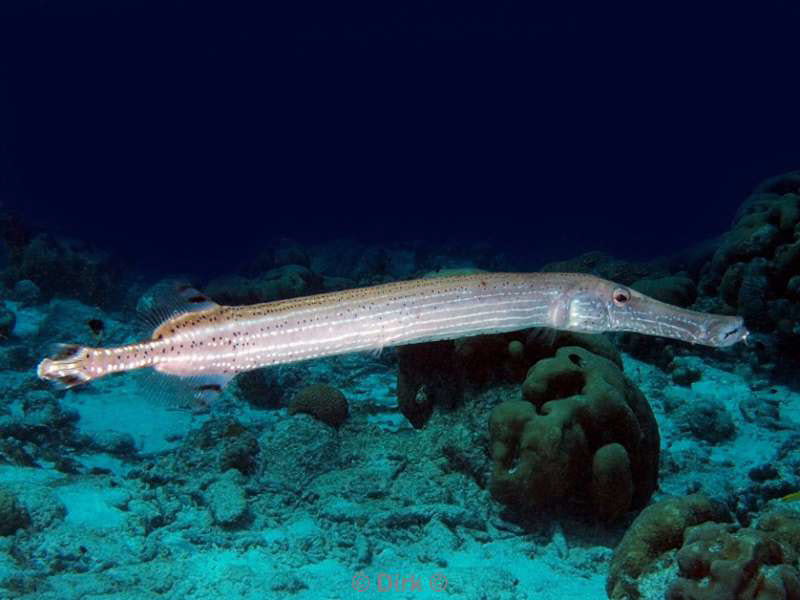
<point x="198" y="132"/>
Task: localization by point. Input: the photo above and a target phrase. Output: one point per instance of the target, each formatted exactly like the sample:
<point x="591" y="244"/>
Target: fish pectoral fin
<point x="195" y="392"/>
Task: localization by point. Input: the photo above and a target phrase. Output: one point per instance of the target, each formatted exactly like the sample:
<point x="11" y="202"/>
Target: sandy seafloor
<point x="329" y="510"/>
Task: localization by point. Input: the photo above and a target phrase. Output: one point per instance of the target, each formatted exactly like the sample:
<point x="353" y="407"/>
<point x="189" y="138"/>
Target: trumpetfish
<point x="208" y="344"/>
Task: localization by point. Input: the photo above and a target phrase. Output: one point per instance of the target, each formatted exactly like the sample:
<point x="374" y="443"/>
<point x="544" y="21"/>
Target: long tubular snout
<point x="642" y="314"/>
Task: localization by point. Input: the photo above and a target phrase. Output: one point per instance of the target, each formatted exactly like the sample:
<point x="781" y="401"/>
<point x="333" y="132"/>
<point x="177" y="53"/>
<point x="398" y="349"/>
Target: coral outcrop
<point x="437" y="373"/>
<point x="7" y="321"/>
<point x="288" y="281"/>
<point x="711" y="559"/>
<point x="13" y="515"/>
<point x="220" y="445"/>
<point x="260" y="388"/>
<point x="678" y="290"/>
<point x="658" y="529"/>
<point x="754" y="269"/>
<point x="583" y="432"/>
<point x="61" y="267"/>
<point x="719" y="561"/>
<point x="603" y="265"/>
<point x="323" y="402"/>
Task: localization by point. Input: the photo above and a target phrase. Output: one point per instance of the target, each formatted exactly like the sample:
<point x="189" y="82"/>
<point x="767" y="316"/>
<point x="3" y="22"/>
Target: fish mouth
<point x="726" y="331"/>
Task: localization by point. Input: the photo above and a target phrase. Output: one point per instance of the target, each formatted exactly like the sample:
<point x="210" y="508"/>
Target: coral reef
<point x="260" y="388"/>
<point x="583" y="432"/>
<point x="603" y="265"/>
<point x="323" y="402"/>
<point x="218" y="446"/>
<point x="13" y="515"/>
<point x="227" y="500"/>
<point x="39" y="429"/>
<point x="658" y="529"/>
<point x="711" y="559"/>
<point x="26" y="292"/>
<point x="682" y="372"/>
<point x="62" y="267"/>
<point x="7" y="321"/>
<point x="678" y="289"/>
<point x="288" y="281"/>
<point x="278" y="253"/>
<point x="718" y="561"/>
<point x="271" y="504"/>
<point x="438" y="373"/>
<point x="299" y="450"/>
<point x="706" y="419"/>
<point x="427" y="375"/>
<point x="753" y="271"/>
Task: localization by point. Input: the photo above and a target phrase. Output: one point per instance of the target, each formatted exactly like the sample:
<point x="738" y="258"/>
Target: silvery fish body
<point x="216" y="342"/>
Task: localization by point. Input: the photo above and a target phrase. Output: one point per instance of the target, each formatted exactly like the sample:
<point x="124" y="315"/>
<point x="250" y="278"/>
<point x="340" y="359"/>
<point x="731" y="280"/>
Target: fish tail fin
<point x="67" y="365"/>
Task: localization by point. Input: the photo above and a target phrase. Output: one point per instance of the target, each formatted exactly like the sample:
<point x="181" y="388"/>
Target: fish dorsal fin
<point x="168" y="299"/>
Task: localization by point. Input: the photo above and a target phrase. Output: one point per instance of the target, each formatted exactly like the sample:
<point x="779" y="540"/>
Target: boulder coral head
<point x="438" y="373"/>
<point x="323" y="402"/>
<point x="583" y="433"/>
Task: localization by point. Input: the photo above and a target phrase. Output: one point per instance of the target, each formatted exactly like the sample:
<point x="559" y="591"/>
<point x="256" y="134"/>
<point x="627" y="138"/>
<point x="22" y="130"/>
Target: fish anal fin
<point x="544" y="337"/>
<point x="195" y="393"/>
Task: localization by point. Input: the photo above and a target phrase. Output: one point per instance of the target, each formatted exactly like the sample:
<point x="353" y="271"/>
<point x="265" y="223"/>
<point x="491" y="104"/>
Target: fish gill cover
<point x="272" y="152"/>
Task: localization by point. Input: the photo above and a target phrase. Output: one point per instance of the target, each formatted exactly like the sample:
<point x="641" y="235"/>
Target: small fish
<point x="97" y="327"/>
<point x="793" y="497"/>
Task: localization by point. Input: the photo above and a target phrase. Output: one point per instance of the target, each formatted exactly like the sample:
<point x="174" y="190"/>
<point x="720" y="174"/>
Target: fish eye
<point x="621" y="296"/>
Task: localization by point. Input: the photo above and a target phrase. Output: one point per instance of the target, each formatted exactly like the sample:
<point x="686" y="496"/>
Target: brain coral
<point x="584" y="432"/>
<point x="323" y="402"/>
